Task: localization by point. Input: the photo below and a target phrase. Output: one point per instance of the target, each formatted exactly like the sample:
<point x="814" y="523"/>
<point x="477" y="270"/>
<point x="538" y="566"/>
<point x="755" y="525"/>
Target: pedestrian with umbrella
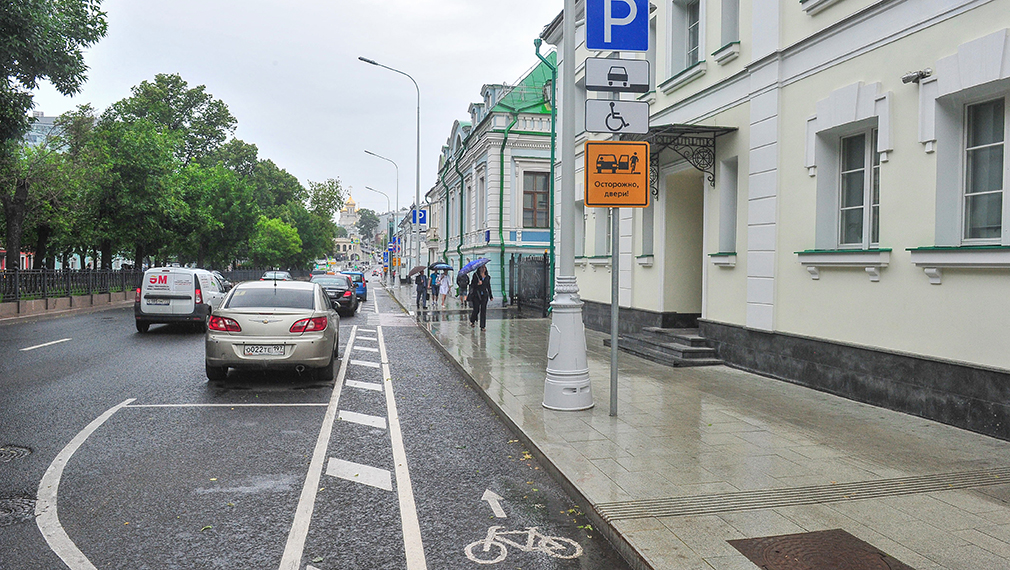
<point x="480" y="294"/>
<point x="421" y="286"/>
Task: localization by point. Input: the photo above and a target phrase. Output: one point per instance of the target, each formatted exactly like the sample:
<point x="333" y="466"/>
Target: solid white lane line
<point x="366" y="363"/>
<point x="26" y="349"/>
<point x="412" y="545"/>
<point x="366" y="349"/>
<point x="367" y="338"/>
<point x="46" y="516"/>
<point x="362" y="419"/>
<point x="364" y="474"/>
<point x="227" y="405"/>
<point x="364" y="385"/>
<point x="292" y="558"/>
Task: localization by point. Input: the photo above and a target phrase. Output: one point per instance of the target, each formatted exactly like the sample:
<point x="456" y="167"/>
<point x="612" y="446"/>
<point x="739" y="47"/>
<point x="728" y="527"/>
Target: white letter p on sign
<point x="609" y="21"/>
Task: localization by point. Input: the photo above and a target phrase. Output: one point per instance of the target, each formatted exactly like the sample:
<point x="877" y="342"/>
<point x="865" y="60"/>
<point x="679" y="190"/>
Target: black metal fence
<point x="529" y="281"/>
<point x="29" y="284"/>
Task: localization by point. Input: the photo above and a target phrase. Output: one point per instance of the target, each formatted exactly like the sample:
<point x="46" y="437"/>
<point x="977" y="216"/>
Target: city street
<point x="118" y="453"/>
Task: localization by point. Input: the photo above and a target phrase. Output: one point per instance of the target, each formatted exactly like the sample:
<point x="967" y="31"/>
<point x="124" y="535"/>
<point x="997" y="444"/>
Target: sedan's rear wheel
<point x="325" y="374"/>
<point x="216" y="373"/>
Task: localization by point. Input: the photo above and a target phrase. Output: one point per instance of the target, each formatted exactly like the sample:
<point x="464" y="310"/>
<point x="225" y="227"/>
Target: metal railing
<point x="30" y="284"/>
<point x="529" y="281"/>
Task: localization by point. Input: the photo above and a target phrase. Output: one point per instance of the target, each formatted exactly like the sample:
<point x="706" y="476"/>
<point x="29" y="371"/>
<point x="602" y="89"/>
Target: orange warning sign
<point x="617" y="174"/>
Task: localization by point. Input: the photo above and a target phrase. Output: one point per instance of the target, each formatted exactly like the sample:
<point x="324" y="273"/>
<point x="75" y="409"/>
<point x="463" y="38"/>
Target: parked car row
<point x="273" y="323"/>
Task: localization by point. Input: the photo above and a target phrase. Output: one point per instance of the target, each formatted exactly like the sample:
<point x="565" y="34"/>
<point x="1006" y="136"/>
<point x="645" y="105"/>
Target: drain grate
<point x="796" y="496"/>
<point x="12" y="452"/>
<point x="16" y="510"/>
<point x="835" y="549"/>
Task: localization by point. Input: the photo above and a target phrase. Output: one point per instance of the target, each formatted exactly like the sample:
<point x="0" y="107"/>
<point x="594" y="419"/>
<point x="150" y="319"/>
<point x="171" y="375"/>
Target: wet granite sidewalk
<point x="698" y="457"/>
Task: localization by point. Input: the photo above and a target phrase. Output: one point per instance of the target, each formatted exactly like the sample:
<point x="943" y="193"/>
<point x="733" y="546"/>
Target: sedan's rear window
<point x="330" y="281"/>
<point x="274" y="297"/>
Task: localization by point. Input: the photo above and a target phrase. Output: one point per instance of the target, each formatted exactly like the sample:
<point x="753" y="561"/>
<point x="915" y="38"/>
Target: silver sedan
<point x="273" y="325"/>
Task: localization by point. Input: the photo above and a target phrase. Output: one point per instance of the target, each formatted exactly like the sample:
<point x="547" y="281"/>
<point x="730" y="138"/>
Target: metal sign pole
<point x="615" y="286"/>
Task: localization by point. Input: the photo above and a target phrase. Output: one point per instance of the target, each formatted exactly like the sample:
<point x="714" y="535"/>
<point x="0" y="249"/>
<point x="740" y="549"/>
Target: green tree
<point x="326" y="198"/>
<point x="274" y="243"/>
<point x="367" y="222"/>
<point x="221" y="216"/>
<point x="341" y="232"/>
<point x="274" y="188"/>
<point x="42" y="39"/>
<point x="201" y="122"/>
<point x="28" y="173"/>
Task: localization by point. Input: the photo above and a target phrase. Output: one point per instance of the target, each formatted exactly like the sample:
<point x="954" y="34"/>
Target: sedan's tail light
<point x="347" y="293"/>
<point x="223" y="324"/>
<point x="307" y="325"/>
<point x="137" y="298"/>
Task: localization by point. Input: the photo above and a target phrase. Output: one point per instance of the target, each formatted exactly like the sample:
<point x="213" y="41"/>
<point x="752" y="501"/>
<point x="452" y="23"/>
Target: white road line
<point x="367" y="338"/>
<point x="46" y="516"/>
<point x="364" y="385"/>
<point x="366" y="363"/>
<point x="412" y="545"/>
<point x="26" y="349"/>
<point x="362" y="419"/>
<point x="366" y="349"/>
<point x="226" y="405"/>
<point x="292" y="558"/>
<point x="363" y="329"/>
<point x="364" y="474"/>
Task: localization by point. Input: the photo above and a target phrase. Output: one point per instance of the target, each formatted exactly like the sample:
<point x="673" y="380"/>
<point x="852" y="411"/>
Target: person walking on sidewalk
<point x="480" y="294"/>
<point x="444" y="284"/>
<point x="421" y="284"/>
<point x="463" y="282"/>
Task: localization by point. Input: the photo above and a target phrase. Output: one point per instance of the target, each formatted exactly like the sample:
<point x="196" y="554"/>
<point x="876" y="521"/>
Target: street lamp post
<point x="397" y="215"/>
<point x="414" y="227"/>
<point x="389" y="226"/>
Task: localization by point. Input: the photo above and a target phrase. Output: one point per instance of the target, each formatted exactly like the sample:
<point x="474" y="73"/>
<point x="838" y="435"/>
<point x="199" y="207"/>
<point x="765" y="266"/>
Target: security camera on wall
<point x="916" y="76"/>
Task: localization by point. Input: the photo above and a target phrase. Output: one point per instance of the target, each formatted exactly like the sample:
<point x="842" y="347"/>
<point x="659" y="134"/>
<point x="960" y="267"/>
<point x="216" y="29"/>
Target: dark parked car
<point x="276" y="276"/>
<point x="340" y="290"/>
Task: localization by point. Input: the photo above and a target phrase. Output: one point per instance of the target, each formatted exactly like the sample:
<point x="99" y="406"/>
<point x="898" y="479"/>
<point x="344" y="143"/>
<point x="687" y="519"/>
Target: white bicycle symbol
<point x="554" y="546"/>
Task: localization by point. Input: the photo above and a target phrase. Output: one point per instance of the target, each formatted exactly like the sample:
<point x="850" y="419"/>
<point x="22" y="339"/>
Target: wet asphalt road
<point x="194" y="474"/>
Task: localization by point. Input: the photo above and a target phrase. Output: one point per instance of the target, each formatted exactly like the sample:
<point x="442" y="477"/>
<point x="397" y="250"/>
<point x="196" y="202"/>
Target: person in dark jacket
<point x="421" y="285"/>
<point x="480" y="294"/>
<point x="463" y="282"/>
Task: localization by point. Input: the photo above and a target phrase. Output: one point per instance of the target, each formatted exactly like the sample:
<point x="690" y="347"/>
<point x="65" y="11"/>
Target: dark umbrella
<point x="479" y="262"/>
<point x="438" y="266"/>
<point x="416" y="270"/>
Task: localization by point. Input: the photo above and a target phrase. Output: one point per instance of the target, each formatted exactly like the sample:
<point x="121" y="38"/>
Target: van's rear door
<point x="167" y="292"/>
<point x="182" y="293"/>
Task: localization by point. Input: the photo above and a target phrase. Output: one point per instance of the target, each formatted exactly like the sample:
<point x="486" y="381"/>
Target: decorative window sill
<point x="684" y="77"/>
<point x="933" y="260"/>
<point x="649" y="97"/>
<point x="723" y="259"/>
<point x="871" y="260"/>
<point x="726" y="53"/>
<point x="645" y="260"/>
<point x="599" y="261"/>
<point x="812" y="7"/>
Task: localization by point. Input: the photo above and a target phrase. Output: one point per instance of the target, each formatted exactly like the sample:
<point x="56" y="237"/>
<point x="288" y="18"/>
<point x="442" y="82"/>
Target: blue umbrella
<point x="479" y="262"/>
<point x="439" y="266"/>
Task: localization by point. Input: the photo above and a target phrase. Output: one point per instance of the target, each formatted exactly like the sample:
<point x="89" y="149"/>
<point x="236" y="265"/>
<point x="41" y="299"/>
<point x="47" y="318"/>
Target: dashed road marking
<point x="366" y="349"/>
<point x="364" y="385"/>
<point x="358" y="473"/>
<point x="367" y="338"/>
<point x="362" y="419"/>
<point x="366" y="363"/>
<point x="26" y="349"/>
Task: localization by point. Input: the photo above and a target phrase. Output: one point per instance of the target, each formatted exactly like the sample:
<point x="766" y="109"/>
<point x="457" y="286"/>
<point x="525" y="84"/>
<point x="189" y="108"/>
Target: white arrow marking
<point x="493" y="499"/>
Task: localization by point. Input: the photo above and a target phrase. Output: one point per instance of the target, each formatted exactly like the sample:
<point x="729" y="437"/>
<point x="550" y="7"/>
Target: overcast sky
<point x="289" y="72"/>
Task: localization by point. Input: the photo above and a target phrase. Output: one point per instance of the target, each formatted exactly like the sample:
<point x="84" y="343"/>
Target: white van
<point x="177" y="295"/>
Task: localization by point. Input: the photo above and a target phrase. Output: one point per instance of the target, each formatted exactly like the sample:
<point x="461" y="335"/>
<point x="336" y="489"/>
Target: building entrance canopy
<point x="695" y="143"/>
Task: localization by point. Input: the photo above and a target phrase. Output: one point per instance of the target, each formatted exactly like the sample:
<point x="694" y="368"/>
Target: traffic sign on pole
<point x="617" y="174"/>
<point x="617" y="75"/>
<point x="617" y="25"/>
<point x="616" y="117"/>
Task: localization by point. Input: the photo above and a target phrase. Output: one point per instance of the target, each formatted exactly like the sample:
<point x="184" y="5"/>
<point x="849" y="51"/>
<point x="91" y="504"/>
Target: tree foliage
<point x="274" y="243"/>
<point x="367" y="222"/>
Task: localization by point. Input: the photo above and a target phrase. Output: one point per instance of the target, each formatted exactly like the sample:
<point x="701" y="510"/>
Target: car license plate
<point x="264" y="350"/>
<point x="158" y="301"/>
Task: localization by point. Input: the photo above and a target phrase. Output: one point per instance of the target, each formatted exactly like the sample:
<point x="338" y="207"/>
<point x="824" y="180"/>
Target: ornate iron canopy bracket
<point x="694" y="143"/>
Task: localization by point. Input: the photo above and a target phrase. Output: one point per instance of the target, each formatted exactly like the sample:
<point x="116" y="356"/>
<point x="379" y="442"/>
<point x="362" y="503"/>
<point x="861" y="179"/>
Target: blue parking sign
<point x="617" y="25"/>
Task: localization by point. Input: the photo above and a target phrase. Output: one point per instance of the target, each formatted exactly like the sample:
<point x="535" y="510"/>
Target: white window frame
<point x="963" y="207"/>
<point x="871" y="181"/>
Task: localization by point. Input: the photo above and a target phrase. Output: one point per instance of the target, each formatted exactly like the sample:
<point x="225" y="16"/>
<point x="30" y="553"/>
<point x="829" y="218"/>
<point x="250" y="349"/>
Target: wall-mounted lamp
<point x="916" y="76"/>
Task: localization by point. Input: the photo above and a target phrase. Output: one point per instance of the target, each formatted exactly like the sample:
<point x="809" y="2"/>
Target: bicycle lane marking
<point x="292" y="558"/>
<point x="534" y="541"/>
<point x="46" y="515"/>
<point x="412" y="545"/>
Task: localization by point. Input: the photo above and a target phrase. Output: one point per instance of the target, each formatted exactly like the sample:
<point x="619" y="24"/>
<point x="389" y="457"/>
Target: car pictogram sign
<point x="617" y="174"/>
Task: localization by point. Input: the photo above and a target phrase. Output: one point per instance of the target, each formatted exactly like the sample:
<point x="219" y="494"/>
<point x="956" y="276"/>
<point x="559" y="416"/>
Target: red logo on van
<point x="159" y="280"/>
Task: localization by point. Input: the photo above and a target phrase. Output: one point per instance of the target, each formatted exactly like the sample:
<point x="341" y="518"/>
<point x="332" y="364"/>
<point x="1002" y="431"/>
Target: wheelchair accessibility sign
<point x="617" y="174"/>
<point x="616" y="117"/>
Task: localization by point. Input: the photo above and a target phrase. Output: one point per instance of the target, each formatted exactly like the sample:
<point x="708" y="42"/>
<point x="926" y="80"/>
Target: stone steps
<point x="672" y="347"/>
